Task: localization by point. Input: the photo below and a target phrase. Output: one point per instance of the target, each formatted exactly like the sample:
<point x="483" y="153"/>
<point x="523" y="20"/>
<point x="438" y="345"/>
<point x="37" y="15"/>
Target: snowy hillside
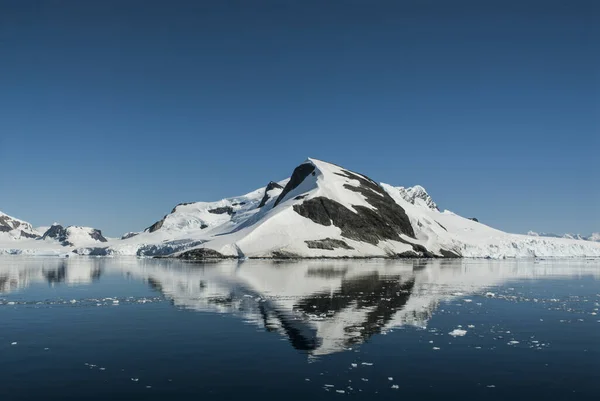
<point x="12" y="228"/>
<point x="321" y="211"/>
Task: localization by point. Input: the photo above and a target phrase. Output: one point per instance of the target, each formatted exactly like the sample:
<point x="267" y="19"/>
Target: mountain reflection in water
<point x="322" y="307"/>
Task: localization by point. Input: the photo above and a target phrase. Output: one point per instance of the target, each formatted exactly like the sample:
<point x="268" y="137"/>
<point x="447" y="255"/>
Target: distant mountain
<point x="321" y="211"/>
<point x="592" y="237"/>
<point x="16" y="229"/>
<point x="73" y="235"/>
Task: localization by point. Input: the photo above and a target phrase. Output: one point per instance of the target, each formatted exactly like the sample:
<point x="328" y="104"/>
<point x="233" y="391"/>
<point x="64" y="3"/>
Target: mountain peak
<point x="418" y="196"/>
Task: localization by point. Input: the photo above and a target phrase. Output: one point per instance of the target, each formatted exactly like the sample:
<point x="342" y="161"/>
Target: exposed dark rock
<point x="328" y="244"/>
<point x="203" y="226"/>
<point x="156" y="226"/>
<point x="26" y="235"/>
<point x="450" y="254"/>
<point x="367" y="225"/>
<point x="181" y="204"/>
<point x="203" y="254"/>
<point x="271" y="186"/>
<point x="438" y="223"/>
<point x="4" y="224"/>
<point x="222" y="210"/>
<point x="300" y="197"/>
<point x="424" y="253"/>
<point x="299" y="174"/>
<point x="285" y="255"/>
<point x="57" y="232"/>
<point x="238" y="204"/>
<point x="474" y="219"/>
<point x="97" y="235"/>
<point x="408" y="255"/>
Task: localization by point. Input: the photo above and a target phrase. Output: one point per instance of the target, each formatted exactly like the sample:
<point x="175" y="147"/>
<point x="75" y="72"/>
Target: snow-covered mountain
<point x="12" y="228"/>
<point x="321" y="211"/>
<point x="73" y="235"/>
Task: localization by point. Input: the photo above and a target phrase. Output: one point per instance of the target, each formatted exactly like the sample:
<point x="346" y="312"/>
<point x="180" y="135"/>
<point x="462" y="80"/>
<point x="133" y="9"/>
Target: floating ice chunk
<point x="436" y="348"/>
<point x="102" y="368"/>
<point x="471" y="326"/>
<point x="395" y="386"/>
<point x="340" y="391"/>
<point x="354" y="365"/>
<point x="13" y="343"/>
<point x="363" y="379"/>
<point x="148" y="386"/>
<point x="513" y="342"/>
<point x="490" y="386"/>
<point x="490" y="294"/>
<point x="367" y="363"/>
<point x="468" y="300"/>
<point x="390" y="378"/>
<point x="135" y="379"/>
<point x="458" y="333"/>
<point x="329" y="385"/>
<point x="73" y="301"/>
<point x="307" y="379"/>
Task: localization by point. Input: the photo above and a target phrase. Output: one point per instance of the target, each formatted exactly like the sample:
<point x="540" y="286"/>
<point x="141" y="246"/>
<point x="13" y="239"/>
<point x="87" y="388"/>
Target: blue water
<point x="129" y="329"/>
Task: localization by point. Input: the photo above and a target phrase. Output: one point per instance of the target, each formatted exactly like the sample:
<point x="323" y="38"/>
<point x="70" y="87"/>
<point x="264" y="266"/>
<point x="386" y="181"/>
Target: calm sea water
<point x="129" y="329"/>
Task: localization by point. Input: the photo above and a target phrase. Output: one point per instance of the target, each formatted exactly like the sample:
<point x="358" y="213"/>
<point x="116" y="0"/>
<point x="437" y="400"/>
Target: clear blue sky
<point x="112" y="112"/>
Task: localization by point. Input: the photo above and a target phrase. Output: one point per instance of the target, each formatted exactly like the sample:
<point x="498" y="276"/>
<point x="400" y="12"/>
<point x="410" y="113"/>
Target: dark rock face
<point x="474" y="219"/>
<point x="441" y="225"/>
<point x="450" y="254"/>
<point x="156" y="226"/>
<point x="5" y="226"/>
<point x="372" y="226"/>
<point x="57" y="232"/>
<point x="201" y="254"/>
<point x="26" y="235"/>
<point x="284" y="255"/>
<point x="272" y="185"/>
<point x="222" y="210"/>
<point x="299" y="174"/>
<point x="328" y="244"/>
<point x="97" y="235"/>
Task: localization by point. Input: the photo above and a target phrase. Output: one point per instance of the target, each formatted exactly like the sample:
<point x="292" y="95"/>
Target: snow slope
<point x="322" y="210"/>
